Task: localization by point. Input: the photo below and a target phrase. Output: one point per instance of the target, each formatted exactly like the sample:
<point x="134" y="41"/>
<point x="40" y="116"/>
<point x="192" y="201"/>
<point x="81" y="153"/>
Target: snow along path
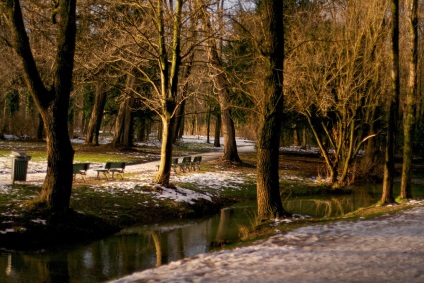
<point x="385" y="249"/>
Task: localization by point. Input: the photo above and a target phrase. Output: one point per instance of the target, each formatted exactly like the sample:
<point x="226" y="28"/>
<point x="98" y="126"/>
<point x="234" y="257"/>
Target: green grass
<point x="126" y="207"/>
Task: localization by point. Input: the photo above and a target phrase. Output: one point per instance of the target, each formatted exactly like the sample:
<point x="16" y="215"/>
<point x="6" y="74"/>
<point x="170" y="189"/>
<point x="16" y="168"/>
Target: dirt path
<point x="386" y="249"/>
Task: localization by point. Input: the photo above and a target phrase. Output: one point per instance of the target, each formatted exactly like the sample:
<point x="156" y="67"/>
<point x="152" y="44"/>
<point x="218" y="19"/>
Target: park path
<point x="385" y="249"/>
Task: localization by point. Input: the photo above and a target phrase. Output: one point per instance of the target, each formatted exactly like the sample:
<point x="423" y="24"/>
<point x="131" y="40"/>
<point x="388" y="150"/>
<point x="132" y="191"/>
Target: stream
<point x="142" y="247"/>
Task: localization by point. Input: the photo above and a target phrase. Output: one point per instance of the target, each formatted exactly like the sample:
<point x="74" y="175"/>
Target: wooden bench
<point x="174" y="164"/>
<point x="196" y="162"/>
<point x="185" y="164"/>
<point x="81" y="169"/>
<point x="117" y="168"/>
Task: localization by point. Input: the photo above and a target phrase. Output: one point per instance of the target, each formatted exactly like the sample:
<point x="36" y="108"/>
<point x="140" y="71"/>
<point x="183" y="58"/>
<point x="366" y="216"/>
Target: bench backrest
<point x="187" y="159"/>
<point x="113" y="165"/>
<point x="174" y="161"/>
<point x="77" y="167"/>
<point x="197" y="159"/>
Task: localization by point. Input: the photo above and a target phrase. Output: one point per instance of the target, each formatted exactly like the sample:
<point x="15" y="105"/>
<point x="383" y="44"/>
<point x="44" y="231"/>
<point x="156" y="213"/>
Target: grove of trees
<point x="345" y="73"/>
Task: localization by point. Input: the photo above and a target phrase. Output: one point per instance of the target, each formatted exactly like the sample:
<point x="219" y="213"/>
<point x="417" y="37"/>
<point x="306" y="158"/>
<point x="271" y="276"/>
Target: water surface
<point x="141" y="247"/>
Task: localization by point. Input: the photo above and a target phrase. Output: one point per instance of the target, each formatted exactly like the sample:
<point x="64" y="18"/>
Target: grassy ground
<point x="97" y="213"/>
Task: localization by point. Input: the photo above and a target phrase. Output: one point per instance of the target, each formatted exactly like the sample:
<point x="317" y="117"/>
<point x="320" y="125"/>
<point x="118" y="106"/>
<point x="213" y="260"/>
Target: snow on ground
<point x="144" y="173"/>
<point x="386" y="249"/>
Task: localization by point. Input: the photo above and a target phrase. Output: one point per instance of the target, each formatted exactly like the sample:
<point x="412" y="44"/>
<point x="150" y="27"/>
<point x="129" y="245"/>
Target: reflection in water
<point x="334" y="205"/>
<point x="133" y="249"/>
<point x="141" y="247"/>
<point x="158" y="247"/>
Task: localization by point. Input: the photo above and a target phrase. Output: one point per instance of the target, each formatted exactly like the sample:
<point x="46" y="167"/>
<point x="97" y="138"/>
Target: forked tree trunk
<point x="169" y="89"/>
<point x="53" y="101"/>
<point x="218" y="75"/>
<point x="410" y="103"/>
<point x="389" y="156"/>
<point x="123" y="129"/>
<point x="93" y="129"/>
<point x="331" y="164"/>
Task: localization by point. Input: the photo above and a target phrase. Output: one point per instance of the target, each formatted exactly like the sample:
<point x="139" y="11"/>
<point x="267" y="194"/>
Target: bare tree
<point x="393" y="98"/>
<point x="270" y="110"/>
<point x="334" y="77"/>
<point x="123" y="129"/>
<point x="92" y="136"/>
<point x="52" y="101"/>
<point x="221" y="84"/>
<point x="410" y="101"/>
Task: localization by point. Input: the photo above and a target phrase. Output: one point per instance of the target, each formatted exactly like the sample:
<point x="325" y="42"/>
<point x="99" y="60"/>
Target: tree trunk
<point x="71" y="121"/>
<point x="304" y="137"/>
<point x="410" y="102"/>
<point x="169" y="89"/>
<point x="227" y="123"/>
<point x="56" y="190"/>
<point x="141" y="130"/>
<point x="92" y="136"/>
<point x="53" y="101"/>
<point x="123" y="129"/>
<point x="3" y="120"/>
<point x="179" y="118"/>
<point x="217" y="135"/>
<point x="331" y="165"/>
<point x="40" y="128"/>
<point x="165" y="152"/>
<point x="208" y="126"/>
<point x="389" y="156"/>
<point x="268" y="189"/>
<point x="296" y="136"/>
<point x="193" y="124"/>
<point x="217" y="73"/>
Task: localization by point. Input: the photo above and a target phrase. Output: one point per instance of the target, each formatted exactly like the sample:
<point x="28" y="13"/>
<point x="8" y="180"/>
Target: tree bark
<point x="169" y="89"/>
<point x="217" y="133"/>
<point x="93" y="130"/>
<point x="40" y="128"/>
<point x="208" y="125"/>
<point x="227" y="123"/>
<point x="3" y="120"/>
<point x="217" y="73"/>
<point x="268" y="189"/>
<point x="410" y="102"/>
<point x="52" y="102"/>
<point x="389" y="156"/>
<point x="123" y="126"/>
<point x="179" y="118"/>
<point x="141" y="131"/>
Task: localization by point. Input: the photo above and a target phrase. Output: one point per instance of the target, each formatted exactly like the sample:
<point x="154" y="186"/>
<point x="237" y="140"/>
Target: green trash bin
<point x="19" y="166"/>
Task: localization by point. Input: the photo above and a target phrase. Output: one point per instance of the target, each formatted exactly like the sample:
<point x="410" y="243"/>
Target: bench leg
<point x="118" y="174"/>
<point x="104" y="173"/>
